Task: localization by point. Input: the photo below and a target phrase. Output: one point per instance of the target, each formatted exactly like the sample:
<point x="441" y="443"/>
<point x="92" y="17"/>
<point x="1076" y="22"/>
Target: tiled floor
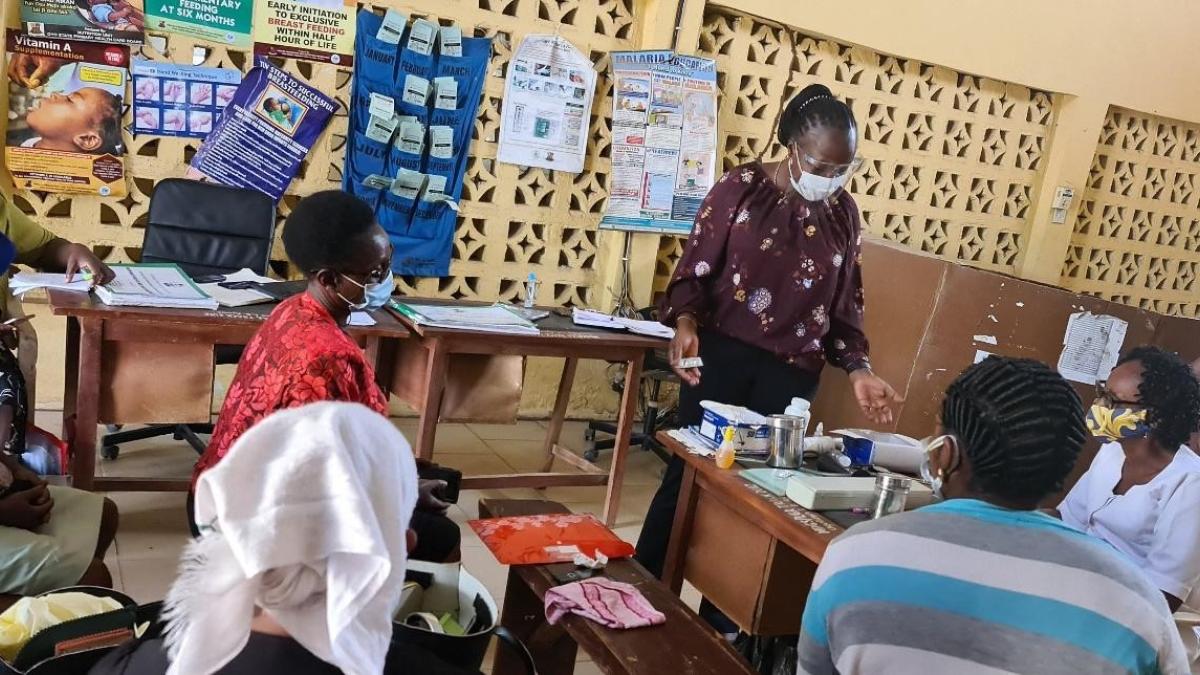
<point x="154" y="531"/>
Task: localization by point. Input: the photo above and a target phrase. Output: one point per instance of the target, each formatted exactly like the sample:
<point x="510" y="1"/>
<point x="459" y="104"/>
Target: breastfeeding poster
<point x="64" y="120"/>
<point x="225" y="22"/>
<point x="265" y="132"/>
<point x="108" y="21"/>
<point x="183" y="101"/>
<point x="310" y="30"/>
<point x="664" y="140"/>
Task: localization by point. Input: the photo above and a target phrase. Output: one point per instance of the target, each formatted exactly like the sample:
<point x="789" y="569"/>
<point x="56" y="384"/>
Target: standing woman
<point x="769" y="288"/>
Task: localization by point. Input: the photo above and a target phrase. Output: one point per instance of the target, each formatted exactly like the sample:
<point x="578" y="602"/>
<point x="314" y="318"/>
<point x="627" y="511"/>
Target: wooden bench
<point x="684" y="645"/>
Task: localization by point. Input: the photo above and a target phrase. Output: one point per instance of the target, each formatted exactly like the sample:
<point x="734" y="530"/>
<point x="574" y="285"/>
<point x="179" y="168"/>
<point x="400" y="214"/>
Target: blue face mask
<point x="375" y="295"/>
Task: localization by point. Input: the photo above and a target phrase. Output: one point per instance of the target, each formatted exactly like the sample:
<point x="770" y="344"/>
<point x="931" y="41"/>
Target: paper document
<point x="590" y="317"/>
<point x="1091" y="347"/>
<point x="239" y="297"/>
<point x="361" y="319"/>
<point x="547" y="99"/>
<point x="486" y="319"/>
<point x="156" y="285"/>
<point x="23" y="282"/>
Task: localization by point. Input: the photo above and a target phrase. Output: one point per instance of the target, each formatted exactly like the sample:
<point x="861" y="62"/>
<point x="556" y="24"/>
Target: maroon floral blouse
<point x="775" y="271"/>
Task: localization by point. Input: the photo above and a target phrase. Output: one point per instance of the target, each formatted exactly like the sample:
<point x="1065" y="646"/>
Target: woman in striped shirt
<point x="982" y="582"/>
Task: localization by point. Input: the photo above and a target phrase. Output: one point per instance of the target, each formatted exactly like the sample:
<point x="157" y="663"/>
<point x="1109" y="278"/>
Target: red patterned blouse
<point x="775" y="271"/>
<point x="299" y="356"/>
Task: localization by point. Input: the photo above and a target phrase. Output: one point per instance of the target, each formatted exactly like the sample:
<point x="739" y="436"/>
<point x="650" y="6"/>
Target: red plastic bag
<point x="543" y="539"/>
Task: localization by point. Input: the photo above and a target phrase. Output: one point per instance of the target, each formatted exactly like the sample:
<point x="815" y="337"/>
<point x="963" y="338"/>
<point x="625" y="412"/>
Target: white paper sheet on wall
<point x="1091" y="346"/>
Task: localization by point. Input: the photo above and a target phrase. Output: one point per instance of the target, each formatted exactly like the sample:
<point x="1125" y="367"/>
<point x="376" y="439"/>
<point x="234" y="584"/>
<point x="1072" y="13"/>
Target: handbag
<point x="436" y="589"/>
<point x="73" y="647"/>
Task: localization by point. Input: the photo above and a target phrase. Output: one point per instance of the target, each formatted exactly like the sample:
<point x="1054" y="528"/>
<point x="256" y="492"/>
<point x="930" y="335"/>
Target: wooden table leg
<point x="71" y="381"/>
<point x="436" y="363"/>
<point x="616" y="474"/>
<point x="525" y="617"/>
<point x="681" y="530"/>
<point x="562" y="399"/>
<point x="87" y="403"/>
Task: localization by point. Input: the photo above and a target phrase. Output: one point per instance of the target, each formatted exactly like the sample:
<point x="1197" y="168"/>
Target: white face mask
<point x="815" y="188"/>
<point x="935" y="482"/>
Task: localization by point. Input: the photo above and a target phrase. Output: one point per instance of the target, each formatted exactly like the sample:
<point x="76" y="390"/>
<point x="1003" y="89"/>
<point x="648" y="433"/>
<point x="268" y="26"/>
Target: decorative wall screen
<point x="1137" y="237"/>
<point x="952" y="159"/>
<point x="513" y="220"/>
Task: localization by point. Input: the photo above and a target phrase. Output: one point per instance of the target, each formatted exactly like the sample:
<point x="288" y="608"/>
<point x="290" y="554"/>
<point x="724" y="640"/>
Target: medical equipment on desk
<point x="751" y="432"/>
<point x="840" y="493"/>
<point x="787" y="441"/>
<point x="876" y="448"/>
<point x="728" y="450"/>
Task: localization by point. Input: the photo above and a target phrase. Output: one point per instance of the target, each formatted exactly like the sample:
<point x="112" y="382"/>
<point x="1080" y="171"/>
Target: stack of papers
<point x="153" y="285"/>
<point x="590" y="317"/>
<point x="491" y="319"/>
<point x="23" y="282"/>
<point x="239" y="297"/>
<point x="361" y="319"/>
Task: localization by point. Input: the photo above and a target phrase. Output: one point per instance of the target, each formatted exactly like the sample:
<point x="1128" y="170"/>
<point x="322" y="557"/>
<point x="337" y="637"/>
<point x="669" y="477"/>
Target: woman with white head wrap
<point x="301" y="561"/>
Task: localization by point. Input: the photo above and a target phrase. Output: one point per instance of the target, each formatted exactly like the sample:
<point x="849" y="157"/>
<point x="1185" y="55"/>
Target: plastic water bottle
<point x="727" y="451"/>
<point x="800" y="408"/>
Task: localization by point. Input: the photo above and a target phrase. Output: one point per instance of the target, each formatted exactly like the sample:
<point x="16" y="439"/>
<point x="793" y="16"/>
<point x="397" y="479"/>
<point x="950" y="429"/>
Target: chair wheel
<point x="591" y="454"/>
<point x="110" y="451"/>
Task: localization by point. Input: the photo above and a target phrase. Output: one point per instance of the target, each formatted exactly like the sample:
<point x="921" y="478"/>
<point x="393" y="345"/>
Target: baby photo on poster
<point x="65" y="105"/>
<point x="107" y="21"/>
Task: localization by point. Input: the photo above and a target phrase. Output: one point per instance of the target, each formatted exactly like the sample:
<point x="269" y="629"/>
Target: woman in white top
<point x="1142" y="491"/>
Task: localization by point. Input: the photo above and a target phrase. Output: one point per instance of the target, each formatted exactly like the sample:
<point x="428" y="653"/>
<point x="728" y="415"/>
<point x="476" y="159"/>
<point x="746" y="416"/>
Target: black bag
<point x="73" y="647"/>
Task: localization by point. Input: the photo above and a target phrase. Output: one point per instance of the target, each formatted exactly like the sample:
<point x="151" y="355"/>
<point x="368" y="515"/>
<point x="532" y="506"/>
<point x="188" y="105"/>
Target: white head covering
<point x="305" y="517"/>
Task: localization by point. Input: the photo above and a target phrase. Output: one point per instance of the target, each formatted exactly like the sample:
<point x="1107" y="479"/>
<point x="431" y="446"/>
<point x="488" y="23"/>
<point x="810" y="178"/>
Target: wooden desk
<point x="684" y="644"/>
<point x="429" y="353"/>
<point x="128" y="365"/>
<point x="749" y="552"/>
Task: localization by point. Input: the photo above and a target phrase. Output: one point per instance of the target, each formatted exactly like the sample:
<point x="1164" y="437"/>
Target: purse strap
<point x="514" y="645"/>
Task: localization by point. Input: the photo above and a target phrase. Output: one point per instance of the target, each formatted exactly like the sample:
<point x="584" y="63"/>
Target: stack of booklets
<point x="23" y="282"/>
<point x="482" y="319"/>
<point x="154" y="285"/>
<point x="594" y="319"/>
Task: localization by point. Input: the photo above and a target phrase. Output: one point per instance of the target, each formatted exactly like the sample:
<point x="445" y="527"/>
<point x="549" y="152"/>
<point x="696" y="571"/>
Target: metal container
<point x="787" y="441"/>
<point x="891" y="493"/>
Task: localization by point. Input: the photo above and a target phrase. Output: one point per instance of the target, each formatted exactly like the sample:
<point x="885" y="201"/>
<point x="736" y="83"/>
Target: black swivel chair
<point x="656" y="369"/>
<point x="206" y="229"/>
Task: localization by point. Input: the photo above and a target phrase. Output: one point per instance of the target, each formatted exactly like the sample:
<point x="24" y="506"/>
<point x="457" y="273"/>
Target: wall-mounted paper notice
<point x="1091" y="347"/>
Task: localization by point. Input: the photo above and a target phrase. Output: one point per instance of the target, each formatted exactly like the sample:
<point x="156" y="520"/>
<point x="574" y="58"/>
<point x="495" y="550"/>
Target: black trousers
<point x="734" y="373"/>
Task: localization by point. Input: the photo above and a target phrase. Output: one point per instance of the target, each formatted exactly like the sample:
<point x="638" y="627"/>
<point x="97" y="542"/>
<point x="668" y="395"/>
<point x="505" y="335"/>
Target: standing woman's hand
<point x="874" y="396"/>
<point x="685" y="345"/>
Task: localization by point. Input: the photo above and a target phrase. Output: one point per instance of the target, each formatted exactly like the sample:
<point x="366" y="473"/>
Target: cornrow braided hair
<point x="815" y="107"/>
<point x="1020" y="425"/>
<point x="1171" y="394"/>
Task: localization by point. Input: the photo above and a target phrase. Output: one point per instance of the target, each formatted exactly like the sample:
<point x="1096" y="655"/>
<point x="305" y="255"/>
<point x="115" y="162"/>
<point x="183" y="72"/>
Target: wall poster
<point x="310" y="30"/>
<point x="64" y="124"/>
<point x="225" y="22"/>
<point x="547" y="105"/>
<point x="664" y="140"/>
<point x="175" y="100"/>
<point x="107" y="21"/>
<point x="264" y="133"/>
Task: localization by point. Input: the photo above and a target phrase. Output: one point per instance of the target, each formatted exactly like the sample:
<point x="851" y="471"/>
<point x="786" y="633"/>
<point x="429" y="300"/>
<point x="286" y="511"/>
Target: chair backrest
<point x="208" y="228"/>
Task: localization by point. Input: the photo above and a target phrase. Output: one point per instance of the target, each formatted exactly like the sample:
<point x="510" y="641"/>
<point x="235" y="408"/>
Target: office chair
<point x="656" y="370"/>
<point x="206" y="229"/>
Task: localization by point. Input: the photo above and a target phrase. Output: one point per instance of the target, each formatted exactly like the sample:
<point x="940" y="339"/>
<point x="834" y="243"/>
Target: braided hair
<point x="1171" y="394"/>
<point x="815" y="107"/>
<point x="1020" y="425"/>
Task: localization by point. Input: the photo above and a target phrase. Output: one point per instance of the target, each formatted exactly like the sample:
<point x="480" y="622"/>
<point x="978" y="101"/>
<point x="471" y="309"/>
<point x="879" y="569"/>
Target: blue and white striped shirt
<point x="967" y="587"/>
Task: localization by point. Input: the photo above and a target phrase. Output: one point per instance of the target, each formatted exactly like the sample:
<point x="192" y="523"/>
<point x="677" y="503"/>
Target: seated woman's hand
<point x="24" y="474"/>
<point x="27" y="509"/>
<point x="427" y="500"/>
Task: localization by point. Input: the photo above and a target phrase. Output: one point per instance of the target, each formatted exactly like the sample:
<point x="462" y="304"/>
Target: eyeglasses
<point x="810" y="164"/>
<point x="1107" y="399"/>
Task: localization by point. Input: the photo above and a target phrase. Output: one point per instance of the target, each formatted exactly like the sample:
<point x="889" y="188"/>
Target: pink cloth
<point x="610" y="603"/>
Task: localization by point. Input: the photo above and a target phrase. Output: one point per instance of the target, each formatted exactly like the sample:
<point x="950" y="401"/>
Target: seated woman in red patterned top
<point x="302" y="354"/>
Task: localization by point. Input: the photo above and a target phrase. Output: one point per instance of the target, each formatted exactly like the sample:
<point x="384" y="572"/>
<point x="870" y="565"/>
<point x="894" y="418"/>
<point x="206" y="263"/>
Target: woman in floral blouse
<point x="769" y="287"/>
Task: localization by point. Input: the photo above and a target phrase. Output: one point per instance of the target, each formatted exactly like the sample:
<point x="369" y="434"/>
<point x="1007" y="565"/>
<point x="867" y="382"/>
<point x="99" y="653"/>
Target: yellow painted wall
<point x="1075" y="58"/>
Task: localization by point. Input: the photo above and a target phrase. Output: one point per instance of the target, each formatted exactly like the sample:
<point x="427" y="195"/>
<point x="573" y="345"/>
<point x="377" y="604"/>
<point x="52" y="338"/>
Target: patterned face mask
<point x="1117" y="424"/>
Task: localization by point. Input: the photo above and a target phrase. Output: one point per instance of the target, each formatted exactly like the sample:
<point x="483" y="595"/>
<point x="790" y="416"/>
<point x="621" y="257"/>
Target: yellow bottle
<point x="727" y="451"/>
